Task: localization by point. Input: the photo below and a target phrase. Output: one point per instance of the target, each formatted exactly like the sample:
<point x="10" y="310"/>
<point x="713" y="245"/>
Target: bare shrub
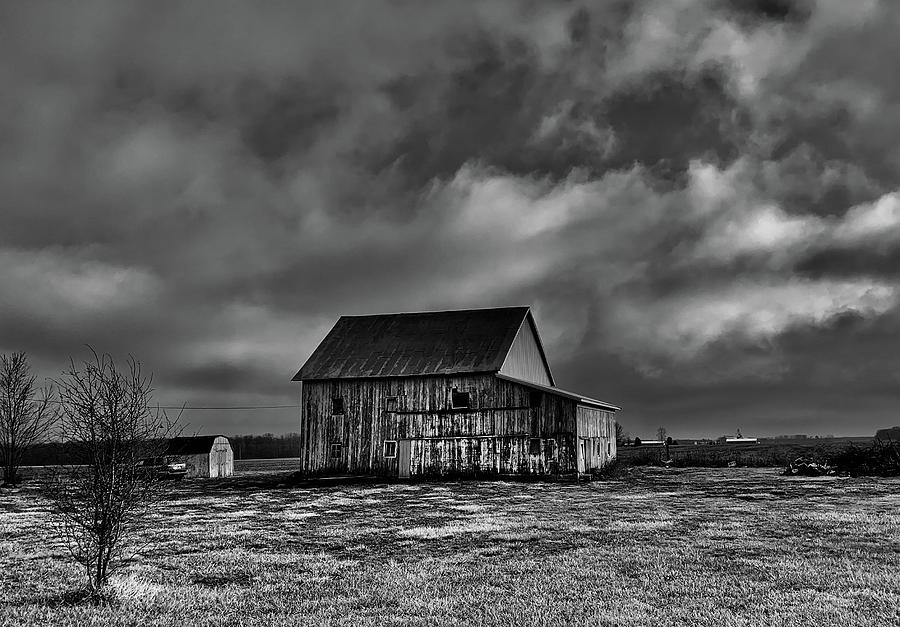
<point x="26" y="413"/>
<point x="622" y="436"/>
<point x="881" y="459"/>
<point x="101" y="500"/>
<point x="611" y="470"/>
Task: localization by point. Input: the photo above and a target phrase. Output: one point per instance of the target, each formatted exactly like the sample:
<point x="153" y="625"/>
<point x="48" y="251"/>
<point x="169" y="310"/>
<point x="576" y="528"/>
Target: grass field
<point x="659" y="547"/>
<point x="258" y="466"/>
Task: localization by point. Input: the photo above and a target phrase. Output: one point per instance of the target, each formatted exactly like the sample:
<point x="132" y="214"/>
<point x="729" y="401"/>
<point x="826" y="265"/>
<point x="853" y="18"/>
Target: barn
<point x="205" y="455"/>
<point x="446" y="393"/>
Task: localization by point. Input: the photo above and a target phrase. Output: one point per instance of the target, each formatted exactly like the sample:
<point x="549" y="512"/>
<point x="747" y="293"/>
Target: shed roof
<point x="196" y="445"/>
<point x="409" y="344"/>
<point x="552" y="389"/>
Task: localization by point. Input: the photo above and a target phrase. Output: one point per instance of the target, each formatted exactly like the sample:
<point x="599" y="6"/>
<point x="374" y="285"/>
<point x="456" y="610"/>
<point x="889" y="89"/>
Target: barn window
<point x="551" y="447"/>
<point x="534" y="446"/>
<point x="459" y="399"/>
<point x="390" y="448"/>
<point x="337" y="405"/>
<point x="535" y="398"/>
<point x="390" y="403"/>
<point x="336" y="450"/>
<point x="599" y="447"/>
<point x="609" y="449"/>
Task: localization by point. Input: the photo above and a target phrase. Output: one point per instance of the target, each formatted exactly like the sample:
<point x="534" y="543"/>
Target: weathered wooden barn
<point x="204" y="455"/>
<point x="449" y="393"/>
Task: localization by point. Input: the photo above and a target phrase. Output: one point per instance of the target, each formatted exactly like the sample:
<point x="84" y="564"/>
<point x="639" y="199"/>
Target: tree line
<point x="264" y="446"/>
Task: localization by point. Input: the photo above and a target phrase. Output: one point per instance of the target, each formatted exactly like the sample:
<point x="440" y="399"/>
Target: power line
<point x="186" y="407"/>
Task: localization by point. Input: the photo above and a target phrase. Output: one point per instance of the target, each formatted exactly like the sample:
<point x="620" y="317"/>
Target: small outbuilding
<point x="204" y="455"/>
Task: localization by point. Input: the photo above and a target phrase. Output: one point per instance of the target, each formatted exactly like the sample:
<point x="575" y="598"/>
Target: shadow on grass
<point x="218" y="581"/>
<point x="293" y="479"/>
<point x="75" y="597"/>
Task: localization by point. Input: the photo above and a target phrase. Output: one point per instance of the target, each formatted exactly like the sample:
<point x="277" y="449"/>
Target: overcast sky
<point x="699" y="199"/>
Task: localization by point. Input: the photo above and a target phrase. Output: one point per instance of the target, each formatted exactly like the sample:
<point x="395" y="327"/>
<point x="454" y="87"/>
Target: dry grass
<point x="245" y="466"/>
<point x="660" y="547"/>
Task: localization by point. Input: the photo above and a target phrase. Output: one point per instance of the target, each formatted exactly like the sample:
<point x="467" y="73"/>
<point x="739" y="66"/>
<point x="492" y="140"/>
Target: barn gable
<point x="525" y="359"/>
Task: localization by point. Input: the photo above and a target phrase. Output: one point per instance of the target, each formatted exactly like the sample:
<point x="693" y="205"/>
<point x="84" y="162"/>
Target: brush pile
<point x="808" y="468"/>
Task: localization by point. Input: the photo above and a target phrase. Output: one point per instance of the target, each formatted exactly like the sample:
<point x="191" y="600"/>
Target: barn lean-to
<point x="449" y="393"/>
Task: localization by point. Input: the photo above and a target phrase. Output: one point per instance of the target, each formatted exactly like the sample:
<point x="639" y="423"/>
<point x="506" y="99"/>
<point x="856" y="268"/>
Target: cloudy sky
<point x="699" y="198"/>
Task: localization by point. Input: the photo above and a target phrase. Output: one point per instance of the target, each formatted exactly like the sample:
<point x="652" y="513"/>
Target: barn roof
<point x="196" y="445"/>
<point x="552" y="389"/>
<point x="409" y="344"/>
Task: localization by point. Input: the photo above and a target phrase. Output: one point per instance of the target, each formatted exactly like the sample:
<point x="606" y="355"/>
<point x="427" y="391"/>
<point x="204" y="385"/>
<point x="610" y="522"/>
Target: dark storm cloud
<point x="698" y="197"/>
<point x="778" y="11"/>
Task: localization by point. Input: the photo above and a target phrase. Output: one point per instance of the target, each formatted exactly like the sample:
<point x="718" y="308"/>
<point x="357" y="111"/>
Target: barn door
<point x="404" y="448"/>
<point x="221" y="460"/>
<point x="582" y="455"/>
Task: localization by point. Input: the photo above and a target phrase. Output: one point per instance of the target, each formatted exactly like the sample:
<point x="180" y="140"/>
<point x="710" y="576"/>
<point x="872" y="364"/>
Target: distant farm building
<point x="204" y="455"/>
<point x="449" y="393"/>
<point x="733" y="440"/>
<point x="888" y="434"/>
<point x="738" y="439"/>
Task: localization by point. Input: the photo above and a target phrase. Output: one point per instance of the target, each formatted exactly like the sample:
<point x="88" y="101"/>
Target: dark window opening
<point x="336" y="450"/>
<point x="390" y="403"/>
<point x="390" y="448"/>
<point x="535" y="398"/>
<point x="551" y="447"/>
<point x="337" y="405"/>
<point x="459" y="399"/>
<point x="609" y="449"/>
<point x="534" y="446"/>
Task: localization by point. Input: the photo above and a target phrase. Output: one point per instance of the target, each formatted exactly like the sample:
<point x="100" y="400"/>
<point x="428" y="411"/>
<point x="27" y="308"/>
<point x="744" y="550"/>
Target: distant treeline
<point x="265" y="446"/>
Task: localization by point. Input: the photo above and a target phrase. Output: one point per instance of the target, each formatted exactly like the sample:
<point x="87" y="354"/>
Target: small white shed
<point x="204" y="455"/>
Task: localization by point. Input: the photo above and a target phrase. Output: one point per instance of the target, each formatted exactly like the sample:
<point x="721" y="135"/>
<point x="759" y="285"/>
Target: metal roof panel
<point x="410" y="344"/>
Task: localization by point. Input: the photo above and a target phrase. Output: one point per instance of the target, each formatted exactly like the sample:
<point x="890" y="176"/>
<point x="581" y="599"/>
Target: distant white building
<point x="741" y="440"/>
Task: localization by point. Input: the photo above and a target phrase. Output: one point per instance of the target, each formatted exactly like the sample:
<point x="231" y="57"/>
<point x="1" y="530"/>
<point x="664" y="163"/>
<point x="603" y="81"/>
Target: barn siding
<point x="597" y="427"/>
<point x="525" y="359"/>
<point x="197" y="465"/>
<point x="493" y="436"/>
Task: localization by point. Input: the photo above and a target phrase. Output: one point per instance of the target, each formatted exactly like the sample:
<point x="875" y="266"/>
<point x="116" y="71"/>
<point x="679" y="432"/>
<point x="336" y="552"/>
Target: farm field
<point x="737" y="546"/>
<point x="256" y="466"/>
<point x="766" y="453"/>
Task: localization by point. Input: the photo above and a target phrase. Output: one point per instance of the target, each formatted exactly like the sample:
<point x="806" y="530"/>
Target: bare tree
<point x="661" y="434"/>
<point x="26" y="413"/>
<point x="622" y="436"/>
<point x="101" y="501"/>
